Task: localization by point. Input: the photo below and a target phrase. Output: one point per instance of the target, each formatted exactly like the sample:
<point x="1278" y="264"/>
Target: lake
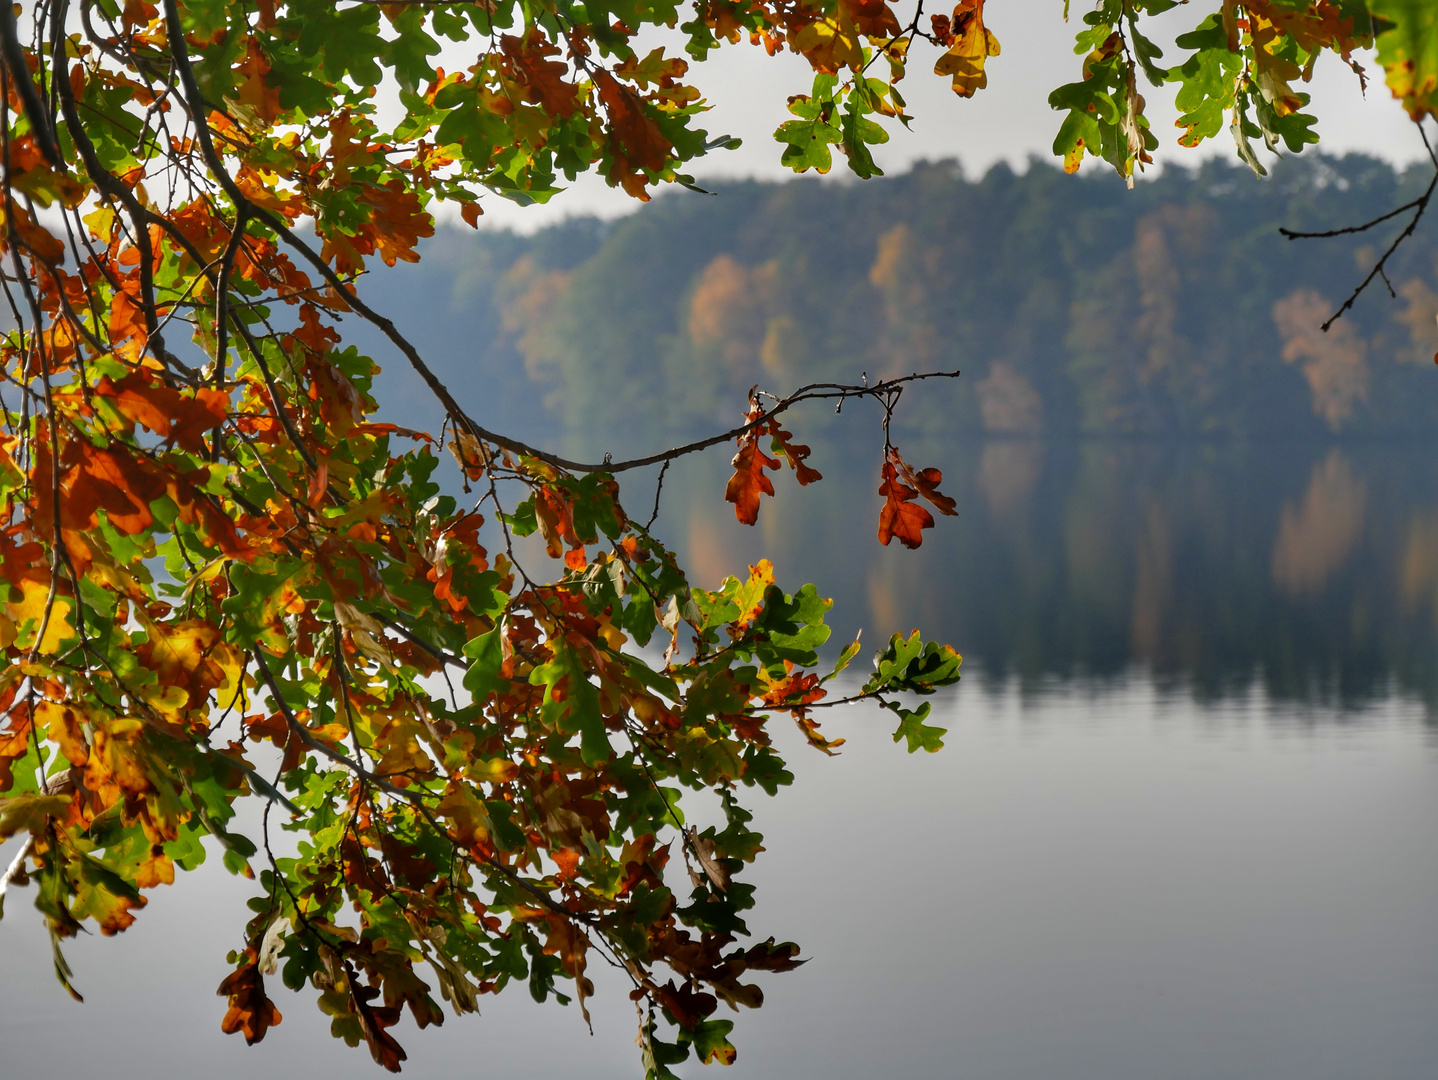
<point x="1183" y="825"/>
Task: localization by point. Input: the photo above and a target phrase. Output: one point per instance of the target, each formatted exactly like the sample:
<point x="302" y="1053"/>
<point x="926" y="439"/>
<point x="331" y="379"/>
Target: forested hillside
<point x="1071" y="304"/>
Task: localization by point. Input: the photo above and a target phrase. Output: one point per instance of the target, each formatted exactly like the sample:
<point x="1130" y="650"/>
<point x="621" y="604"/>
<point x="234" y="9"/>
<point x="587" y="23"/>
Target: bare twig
<point x="1419" y="206"/>
<point x="30" y="101"/>
<point x="658" y="491"/>
<point x="16" y="867"/>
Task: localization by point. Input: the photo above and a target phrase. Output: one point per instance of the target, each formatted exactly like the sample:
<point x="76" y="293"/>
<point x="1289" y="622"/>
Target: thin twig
<point x="1294" y="234"/>
<point x="16" y="867"/>
<point x="658" y="491"/>
<point x="1419" y="206"/>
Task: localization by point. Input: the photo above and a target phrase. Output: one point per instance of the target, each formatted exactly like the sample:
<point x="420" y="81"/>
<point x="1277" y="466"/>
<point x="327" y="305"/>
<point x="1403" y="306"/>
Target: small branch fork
<point x="884" y="390"/>
<point x="1419" y="206"/>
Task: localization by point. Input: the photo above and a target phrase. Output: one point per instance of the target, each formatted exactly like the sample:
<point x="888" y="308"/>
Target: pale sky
<point x="1009" y="121"/>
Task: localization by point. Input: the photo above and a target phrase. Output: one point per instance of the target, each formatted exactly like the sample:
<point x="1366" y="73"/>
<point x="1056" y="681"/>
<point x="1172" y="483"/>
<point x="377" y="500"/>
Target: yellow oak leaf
<point x="27" y="813"/>
<point x="30" y="605"/>
<point x="63" y="725"/>
<point x="973" y="45"/>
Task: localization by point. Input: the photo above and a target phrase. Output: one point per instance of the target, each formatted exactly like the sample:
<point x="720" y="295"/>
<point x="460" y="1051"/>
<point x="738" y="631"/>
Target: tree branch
<point x="1419" y="206"/>
<point x="16" y="868"/>
<point x="35" y="112"/>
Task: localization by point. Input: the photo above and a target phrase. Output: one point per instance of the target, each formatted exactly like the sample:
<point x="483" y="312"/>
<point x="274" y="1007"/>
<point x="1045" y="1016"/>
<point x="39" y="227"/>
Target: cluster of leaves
<point x="214" y="546"/>
<point x="842" y="46"/>
<point x="900" y="485"/>
<point x="225" y="578"/>
<point x="1242" y="61"/>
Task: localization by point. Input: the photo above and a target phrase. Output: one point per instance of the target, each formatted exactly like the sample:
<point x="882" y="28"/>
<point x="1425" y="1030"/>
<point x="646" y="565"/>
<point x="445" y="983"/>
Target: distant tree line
<point x="1199" y="321"/>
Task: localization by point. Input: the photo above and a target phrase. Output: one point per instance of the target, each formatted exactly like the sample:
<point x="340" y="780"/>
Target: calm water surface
<point x="1183" y="827"/>
<point x="1102" y="885"/>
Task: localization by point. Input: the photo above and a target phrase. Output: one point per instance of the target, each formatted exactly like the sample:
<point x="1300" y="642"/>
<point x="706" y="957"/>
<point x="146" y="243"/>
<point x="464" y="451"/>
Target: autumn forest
<point x="1112" y="443"/>
<point x="1072" y="306"/>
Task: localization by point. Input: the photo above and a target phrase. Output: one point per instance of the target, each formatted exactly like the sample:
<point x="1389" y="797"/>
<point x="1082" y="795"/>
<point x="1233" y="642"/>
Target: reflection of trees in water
<point x="1311" y="569"/>
<point x="1008" y="473"/>
<point x="1420" y="563"/>
<point x="1316" y="539"/>
<point x="1008" y="402"/>
<point x="1153" y="582"/>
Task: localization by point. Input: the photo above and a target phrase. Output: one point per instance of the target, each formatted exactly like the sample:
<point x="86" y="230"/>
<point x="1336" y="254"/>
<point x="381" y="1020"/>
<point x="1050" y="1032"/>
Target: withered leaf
<point x="749" y="481"/>
<point x="251" y="1012"/>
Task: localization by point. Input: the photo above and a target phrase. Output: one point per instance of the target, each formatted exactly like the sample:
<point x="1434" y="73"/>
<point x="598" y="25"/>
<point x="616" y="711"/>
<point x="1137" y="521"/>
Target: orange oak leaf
<point x="927" y="481"/>
<point x="127" y="316"/>
<point x="313" y="334"/>
<point x="164" y="410"/>
<point x="373" y="1020"/>
<point x="794" y="453"/>
<point x="873" y="18"/>
<point x="749" y="480"/>
<point x="112" y="480"/>
<point x="819" y="741"/>
<point x="200" y="509"/>
<point x="635" y="140"/>
<point x="263" y="100"/>
<point x="901" y="516"/>
<point x="794" y="689"/>
<point x="554" y="512"/>
<point x="14" y="744"/>
<point x="41" y="243"/>
<point x="545" y="77"/>
<point x="569" y="943"/>
<point x="188" y="655"/>
<point x="400" y="221"/>
<point x="64" y="727"/>
<point x="251" y="1012"/>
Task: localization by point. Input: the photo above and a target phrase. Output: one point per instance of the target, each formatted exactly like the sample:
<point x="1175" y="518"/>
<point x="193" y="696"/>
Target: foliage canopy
<point x="212" y="546"/>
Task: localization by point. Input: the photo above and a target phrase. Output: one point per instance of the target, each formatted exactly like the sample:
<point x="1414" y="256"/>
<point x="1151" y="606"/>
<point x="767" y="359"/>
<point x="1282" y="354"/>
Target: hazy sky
<point x="1009" y="121"/>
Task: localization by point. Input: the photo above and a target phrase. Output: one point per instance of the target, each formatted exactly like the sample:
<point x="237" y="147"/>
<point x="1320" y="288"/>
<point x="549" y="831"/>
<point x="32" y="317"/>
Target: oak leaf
<point x="64" y="727"/>
<point x="635" y="140"/>
<point x="927" y="482"/>
<point x="30" y="813"/>
<point x="256" y="95"/>
<point x="973" y="44"/>
<point x="167" y="412"/>
<point x="532" y="57"/>
<point x="101" y="894"/>
<point x="14" y="744"/>
<point x="794" y="453"/>
<point x="901" y="516"/>
<point x="251" y="1012"/>
<point x="709" y="862"/>
<point x="749" y="481"/>
<point x="30" y="605"/>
